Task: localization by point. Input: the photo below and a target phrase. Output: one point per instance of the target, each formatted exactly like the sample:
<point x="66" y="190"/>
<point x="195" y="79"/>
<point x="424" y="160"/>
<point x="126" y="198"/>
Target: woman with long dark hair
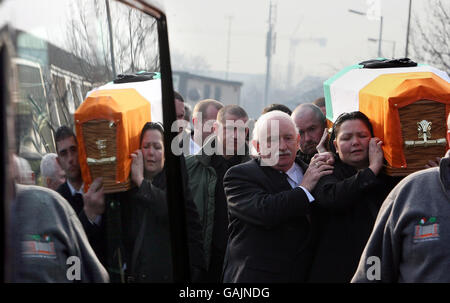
<point x="145" y="218"/>
<point x="349" y="199"/>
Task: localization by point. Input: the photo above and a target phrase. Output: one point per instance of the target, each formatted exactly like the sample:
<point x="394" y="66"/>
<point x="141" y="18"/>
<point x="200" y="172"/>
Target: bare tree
<point x="430" y="36"/>
<point x="134" y="36"/>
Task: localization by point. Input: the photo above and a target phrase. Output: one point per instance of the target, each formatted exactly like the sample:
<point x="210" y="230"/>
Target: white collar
<point x="294" y="168"/>
<point x="295" y="173"/>
<point x="73" y="191"/>
<point x="194" y="147"/>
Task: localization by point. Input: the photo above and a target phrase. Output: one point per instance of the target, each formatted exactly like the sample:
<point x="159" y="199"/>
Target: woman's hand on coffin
<point x="137" y="167"/>
<point x="94" y="200"/>
<point x="376" y="155"/>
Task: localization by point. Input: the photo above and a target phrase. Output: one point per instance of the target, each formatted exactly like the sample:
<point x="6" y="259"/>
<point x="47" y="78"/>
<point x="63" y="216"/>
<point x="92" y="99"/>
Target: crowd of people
<point x="294" y="203"/>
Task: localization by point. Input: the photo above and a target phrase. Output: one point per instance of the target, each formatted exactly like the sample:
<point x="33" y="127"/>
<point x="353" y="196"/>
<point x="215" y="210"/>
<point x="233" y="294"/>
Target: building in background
<point x="194" y="88"/>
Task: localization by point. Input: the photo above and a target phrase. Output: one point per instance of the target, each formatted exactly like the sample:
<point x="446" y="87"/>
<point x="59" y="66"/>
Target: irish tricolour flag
<point x="344" y="91"/>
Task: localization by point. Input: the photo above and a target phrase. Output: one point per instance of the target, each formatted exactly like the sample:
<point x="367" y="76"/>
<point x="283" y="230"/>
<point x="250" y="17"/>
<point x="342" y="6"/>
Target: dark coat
<point x="204" y="182"/>
<point x="94" y="232"/>
<point x="347" y="203"/>
<point x="270" y="236"/>
<point x="150" y="260"/>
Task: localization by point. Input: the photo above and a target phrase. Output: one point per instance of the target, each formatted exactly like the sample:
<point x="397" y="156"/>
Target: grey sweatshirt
<point x="410" y="241"/>
<point x="49" y="242"/>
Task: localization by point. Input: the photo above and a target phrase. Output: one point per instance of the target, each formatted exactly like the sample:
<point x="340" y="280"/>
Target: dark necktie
<point x="78" y="202"/>
<point x="286" y="178"/>
<point x="308" y="217"/>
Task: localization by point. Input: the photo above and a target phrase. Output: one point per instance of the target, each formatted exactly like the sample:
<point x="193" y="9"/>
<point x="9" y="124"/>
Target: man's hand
<point x="433" y="163"/>
<point x="320" y="165"/>
<point x="94" y="200"/>
<point x="137" y="167"/>
<point x="376" y="155"/>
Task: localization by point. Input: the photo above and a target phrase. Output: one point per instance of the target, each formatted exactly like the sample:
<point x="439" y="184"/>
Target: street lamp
<point x="381" y="28"/>
<point x="390" y="41"/>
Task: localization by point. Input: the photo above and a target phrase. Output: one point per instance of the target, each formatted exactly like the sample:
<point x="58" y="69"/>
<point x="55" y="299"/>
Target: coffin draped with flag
<point x="108" y="125"/>
<point x="407" y="107"/>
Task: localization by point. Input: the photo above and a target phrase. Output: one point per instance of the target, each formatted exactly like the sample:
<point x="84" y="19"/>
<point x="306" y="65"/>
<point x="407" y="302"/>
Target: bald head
<point x="310" y="122"/>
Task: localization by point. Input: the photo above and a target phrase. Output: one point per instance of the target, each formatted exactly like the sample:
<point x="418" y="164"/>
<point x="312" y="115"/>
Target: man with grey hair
<point x="311" y="124"/>
<point x="25" y="174"/>
<point x="269" y="202"/>
<point x="52" y="173"/>
<point x="226" y="148"/>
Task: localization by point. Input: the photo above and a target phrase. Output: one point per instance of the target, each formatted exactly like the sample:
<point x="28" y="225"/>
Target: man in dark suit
<point x="270" y="235"/>
<point x="89" y="206"/>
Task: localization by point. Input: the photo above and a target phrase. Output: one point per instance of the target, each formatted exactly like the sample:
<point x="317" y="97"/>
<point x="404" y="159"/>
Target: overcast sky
<point x="200" y="27"/>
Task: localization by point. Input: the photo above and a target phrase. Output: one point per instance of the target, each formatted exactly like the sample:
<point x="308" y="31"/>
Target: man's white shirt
<point x="295" y="176"/>
<point x="194" y="148"/>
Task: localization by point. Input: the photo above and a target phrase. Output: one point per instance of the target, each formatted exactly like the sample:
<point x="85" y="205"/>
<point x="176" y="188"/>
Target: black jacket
<point x="149" y="257"/>
<point x="346" y="206"/>
<point x="94" y="232"/>
<point x="270" y="236"/>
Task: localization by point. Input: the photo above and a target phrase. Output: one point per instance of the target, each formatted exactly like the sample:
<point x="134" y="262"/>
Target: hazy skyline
<point x="200" y="28"/>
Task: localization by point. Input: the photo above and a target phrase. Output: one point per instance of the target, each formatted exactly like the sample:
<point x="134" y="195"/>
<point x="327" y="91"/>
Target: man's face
<point x="352" y="143"/>
<point x="284" y="143"/>
<point x="208" y="121"/>
<point x="310" y="129"/>
<point x="231" y="133"/>
<point x="58" y="179"/>
<point x="68" y="157"/>
<point x="179" y="109"/>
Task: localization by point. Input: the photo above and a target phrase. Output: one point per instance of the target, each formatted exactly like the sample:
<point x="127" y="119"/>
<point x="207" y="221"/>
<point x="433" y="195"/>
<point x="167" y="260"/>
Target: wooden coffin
<point x="108" y="125"/>
<point x="408" y="109"/>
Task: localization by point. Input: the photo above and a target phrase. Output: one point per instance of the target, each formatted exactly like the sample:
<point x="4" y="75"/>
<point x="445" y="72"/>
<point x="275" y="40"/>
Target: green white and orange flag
<point x="379" y="93"/>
